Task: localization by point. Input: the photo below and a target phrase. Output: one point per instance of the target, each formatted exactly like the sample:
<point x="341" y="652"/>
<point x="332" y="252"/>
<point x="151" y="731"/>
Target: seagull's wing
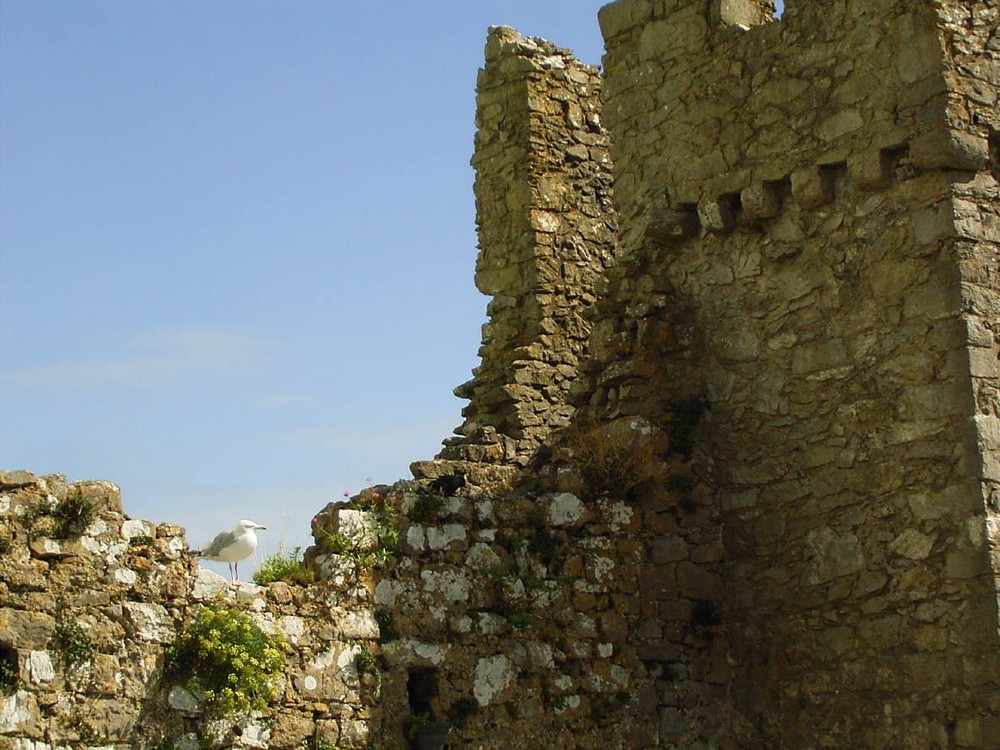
<point x="221" y="541"/>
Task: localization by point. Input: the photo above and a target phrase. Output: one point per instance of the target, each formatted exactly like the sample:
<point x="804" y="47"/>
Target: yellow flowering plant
<point x="225" y="656"/>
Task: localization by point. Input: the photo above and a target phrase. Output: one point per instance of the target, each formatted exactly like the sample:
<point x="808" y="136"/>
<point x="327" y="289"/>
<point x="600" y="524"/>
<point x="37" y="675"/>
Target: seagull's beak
<point x="258" y="526"/>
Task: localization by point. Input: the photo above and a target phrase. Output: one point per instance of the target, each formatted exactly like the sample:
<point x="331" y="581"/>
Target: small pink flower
<point x="376" y="495"/>
<point x="347" y="494"/>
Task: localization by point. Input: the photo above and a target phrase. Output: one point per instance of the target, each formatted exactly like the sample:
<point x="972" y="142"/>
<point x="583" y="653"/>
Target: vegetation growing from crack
<point x="613" y="462"/>
<point x="59" y="519"/>
<point x="374" y="545"/>
<point x="74" y="645"/>
<point x="226" y="658"/>
<point x="366" y="663"/>
<point x="288" y="567"/>
<point x="9" y="681"/>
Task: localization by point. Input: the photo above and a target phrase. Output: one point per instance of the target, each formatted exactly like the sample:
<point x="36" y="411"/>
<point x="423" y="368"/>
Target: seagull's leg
<point x="236" y="565"/>
<point x="232" y="576"/>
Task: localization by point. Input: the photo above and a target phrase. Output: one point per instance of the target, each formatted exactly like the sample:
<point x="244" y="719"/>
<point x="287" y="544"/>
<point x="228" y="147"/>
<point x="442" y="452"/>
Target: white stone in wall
<point x="125" y="576"/>
<point x="14" y="710"/>
<point x="354" y="733"/>
<point x="358" y="625"/>
<point x="23" y="744"/>
<point x="324" y="660"/>
<point x="149" y="622"/>
<point x="452" y="584"/>
<point x="481" y="557"/>
<point x="133" y="527"/>
<point x="40" y="667"/>
<point x="208" y="585"/>
<point x="416" y="539"/>
<point x="385" y="593"/>
<point x="565" y="509"/>
<point x="603" y="568"/>
<point x="439" y="537"/>
<point x="251" y="592"/>
<point x="293" y="627"/>
<point x="491" y="623"/>
<point x="254" y="733"/>
<point x="408" y="652"/>
<point x="182" y="700"/>
<point x="484" y="510"/>
<point x="494" y="675"/>
<point x="618" y="515"/>
<point x="356" y="525"/>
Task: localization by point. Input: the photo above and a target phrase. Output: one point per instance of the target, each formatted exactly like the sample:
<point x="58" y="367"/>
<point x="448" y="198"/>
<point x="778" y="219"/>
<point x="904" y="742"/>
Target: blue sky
<point x="237" y="244"/>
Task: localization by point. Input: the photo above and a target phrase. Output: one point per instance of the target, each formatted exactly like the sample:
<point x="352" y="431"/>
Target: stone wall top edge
<point x="503" y="42"/>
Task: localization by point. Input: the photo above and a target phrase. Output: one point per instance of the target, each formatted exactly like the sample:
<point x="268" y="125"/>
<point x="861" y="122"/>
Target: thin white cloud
<point x="149" y="359"/>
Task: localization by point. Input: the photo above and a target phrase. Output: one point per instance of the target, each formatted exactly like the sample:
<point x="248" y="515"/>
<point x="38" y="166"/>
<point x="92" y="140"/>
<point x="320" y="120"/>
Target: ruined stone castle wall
<point x="792" y="302"/>
<point x="85" y="622"/>
<point x="787" y="198"/>
<point x="546" y="234"/>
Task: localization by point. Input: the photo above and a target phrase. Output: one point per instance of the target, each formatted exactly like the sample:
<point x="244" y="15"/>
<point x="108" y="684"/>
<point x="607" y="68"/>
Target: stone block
<point x="761" y="200"/>
<point x="811" y="187"/>
<point x="869" y="169"/>
<point x="12" y="479"/>
<point x="717" y="214"/>
<point x="944" y="148"/>
<point x="623" y="15"/>
<point x="148" y="622"/>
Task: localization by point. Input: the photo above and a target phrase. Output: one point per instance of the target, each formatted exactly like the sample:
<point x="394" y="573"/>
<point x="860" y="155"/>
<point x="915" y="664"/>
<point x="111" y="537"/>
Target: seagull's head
<point x="245" y="525"/>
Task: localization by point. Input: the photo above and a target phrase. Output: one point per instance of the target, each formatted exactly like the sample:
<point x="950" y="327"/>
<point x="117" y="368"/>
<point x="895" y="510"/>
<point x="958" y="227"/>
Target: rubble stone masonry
<point x="729" y="475"/>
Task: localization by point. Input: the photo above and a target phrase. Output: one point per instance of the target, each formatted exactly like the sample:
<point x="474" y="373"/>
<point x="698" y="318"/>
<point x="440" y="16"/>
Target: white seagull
<point x="232" y="546"/>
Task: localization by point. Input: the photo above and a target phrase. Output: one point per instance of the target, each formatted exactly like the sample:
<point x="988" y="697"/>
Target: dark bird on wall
<point x="449" y="484"/>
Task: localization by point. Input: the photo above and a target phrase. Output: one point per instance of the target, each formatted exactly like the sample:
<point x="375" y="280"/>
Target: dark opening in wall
<point x="896" y="163"/>
<point x="834" y="179"/>
<point x="421" y="689"/>
<point x="8" y="670"/>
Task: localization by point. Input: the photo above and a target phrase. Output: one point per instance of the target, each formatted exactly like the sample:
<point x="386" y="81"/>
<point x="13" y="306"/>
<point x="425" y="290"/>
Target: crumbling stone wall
<point x="546" y="234"/>
<point x="797" y="317"/>
<point x="795" y="254"/>
<point x="512" y="619"/>
<point x="123" y="588"/>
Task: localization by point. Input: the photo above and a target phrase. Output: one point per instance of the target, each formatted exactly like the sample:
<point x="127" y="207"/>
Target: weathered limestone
<point x="546" y="233"/>
<point x="784" y="329"/>
<point x="835" y="310"/>
<point x="122" y="588"/>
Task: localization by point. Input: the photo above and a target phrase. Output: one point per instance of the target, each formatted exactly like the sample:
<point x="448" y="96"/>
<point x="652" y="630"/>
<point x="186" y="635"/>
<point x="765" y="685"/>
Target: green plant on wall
<point x="9" y="681"/>
<point x="73" y="514"/>
<point x="281" y="566"/>
<point x="226" y="657"/>
<point x="72" y="641"/>
<point x="60" y="519"/>
<point x="366" y="663"/>
<point x="374" y="546"/>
